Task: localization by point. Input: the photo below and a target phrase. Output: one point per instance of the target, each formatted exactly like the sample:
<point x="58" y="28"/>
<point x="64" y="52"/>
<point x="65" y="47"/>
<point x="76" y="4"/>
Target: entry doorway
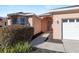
<point x="49" y="25"/>
<point x="46" y="24"/>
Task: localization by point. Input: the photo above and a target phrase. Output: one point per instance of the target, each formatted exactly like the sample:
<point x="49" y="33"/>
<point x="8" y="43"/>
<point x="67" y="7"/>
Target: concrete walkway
<point x="51" y="46"/>
<point x="39" y="42"/>
<point x="40" y="39"/>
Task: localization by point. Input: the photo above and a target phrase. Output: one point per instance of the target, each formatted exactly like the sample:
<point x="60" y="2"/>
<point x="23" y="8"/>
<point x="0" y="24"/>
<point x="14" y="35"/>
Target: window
<point x="14" y="21"/>
<point x="65" y="20"/>
<point x="77" y="20"/>
<point x="22" y="20"/>
<point x="71" y="20"/>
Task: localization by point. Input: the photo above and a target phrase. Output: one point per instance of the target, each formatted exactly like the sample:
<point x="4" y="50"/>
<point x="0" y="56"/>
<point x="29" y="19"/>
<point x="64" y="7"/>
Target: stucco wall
<point x="43" y="25"/>
<point x="46" y="23"/>
<point x="36" y="24"/>
<point x="30" y="20"/>
<point x="57" y="28"/>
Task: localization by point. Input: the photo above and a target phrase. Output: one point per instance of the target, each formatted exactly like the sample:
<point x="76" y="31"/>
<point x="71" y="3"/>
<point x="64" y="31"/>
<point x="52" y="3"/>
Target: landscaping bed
<point x="15" y="39"/>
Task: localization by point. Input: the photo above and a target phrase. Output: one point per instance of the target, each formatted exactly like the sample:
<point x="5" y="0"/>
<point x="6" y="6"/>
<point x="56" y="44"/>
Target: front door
<point x="49" y="25"/>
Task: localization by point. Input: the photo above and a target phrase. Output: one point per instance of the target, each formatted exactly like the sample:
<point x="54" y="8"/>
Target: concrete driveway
<point x="68" y="46"/>
<point x="71" y="46"/>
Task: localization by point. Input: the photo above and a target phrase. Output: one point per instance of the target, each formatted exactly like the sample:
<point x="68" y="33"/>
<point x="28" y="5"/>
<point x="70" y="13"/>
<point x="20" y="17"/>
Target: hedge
<point x="14" y="34"/>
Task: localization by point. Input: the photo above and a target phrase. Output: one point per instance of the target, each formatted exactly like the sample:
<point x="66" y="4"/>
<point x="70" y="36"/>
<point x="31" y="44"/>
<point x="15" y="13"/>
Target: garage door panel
<point x="71" y="30"/>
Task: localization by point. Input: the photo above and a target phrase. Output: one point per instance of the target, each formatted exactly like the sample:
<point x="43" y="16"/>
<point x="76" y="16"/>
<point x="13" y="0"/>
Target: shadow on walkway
<point x="40" y="39"/>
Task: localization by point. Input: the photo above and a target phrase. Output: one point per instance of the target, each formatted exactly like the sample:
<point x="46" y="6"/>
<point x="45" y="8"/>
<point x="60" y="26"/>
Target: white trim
<point x="9" y="21"/>
<point x="45" y="14"/>
<point x="64" y="9"/>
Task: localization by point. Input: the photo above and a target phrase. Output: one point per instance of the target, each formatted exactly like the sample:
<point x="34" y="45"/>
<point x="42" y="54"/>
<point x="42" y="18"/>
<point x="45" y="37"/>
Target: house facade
<point x="65" y="23"/>
<point x="62" y="22"/>
<point x="25" y="19"/>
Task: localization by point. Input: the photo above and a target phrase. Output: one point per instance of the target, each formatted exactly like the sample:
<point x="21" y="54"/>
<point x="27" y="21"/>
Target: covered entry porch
<point x="46" y="23"/>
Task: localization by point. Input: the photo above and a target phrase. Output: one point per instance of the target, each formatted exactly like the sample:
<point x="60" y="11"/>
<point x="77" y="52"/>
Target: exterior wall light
<point x="57" y="22"/>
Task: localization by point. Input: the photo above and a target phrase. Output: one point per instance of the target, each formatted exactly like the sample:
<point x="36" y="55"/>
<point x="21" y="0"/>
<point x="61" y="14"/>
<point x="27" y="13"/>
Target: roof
<point x="44" y="14"/>
<point x="21" y="14"/>
<point x="1" y="18"/>
<point x="65" y="8"/>
<point x="59" y="9"/>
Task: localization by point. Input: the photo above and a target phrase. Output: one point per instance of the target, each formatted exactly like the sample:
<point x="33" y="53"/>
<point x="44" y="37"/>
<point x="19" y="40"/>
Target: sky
<point x="37" y="9"/>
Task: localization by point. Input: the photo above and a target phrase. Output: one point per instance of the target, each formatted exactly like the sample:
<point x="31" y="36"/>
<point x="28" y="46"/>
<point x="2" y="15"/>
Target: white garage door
<point x="71" y="29"/>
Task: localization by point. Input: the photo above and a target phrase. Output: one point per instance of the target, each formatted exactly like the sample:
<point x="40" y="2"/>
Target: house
<point x="2" y="20"/>
<point x="62" y="22"/>
<point x="25" y="19"/>
<point x="65" y="23"/>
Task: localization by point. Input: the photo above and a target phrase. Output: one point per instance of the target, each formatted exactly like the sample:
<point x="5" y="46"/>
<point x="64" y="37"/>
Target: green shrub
<point x="4" y="37"/>
<point x="21" y="34"/>
<point x="13" y="35"/>
<point x="13" y="39"/>
<point x="20" y="47"/>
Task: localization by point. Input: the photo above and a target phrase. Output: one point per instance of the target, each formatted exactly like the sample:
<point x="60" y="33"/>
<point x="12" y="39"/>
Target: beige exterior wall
<point x="46" y="23"/>
<point x="36" y="24"/>
<point x="43" y="25"/>
<point x="30" y="20"/>
<point x="57" y="28"/>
